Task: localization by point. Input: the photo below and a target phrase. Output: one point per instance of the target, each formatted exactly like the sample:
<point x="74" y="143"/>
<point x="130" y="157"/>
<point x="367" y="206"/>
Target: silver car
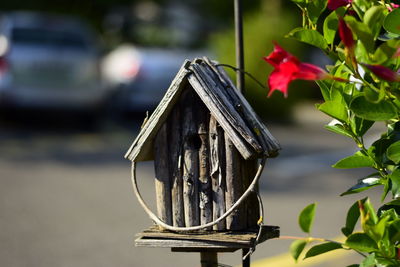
<point x="48" y="62"/>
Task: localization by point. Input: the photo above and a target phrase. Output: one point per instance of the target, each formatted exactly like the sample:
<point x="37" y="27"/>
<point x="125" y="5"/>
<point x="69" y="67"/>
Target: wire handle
<point x="158" y="221"/>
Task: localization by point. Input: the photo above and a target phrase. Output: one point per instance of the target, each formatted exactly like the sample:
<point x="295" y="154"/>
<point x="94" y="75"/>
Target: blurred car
<point x="48" y="61"/>
<point x="142" y="75"/>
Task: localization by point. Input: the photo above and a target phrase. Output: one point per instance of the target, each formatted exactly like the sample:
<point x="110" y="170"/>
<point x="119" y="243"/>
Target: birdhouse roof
<point x="231" y="110"/>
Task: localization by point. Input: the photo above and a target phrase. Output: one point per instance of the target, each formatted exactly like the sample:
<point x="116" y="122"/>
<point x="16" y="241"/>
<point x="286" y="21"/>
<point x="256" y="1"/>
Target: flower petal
<point x="310" y="72"/>
<point x="384" y="72"/>
<point x="335" y="4"/>
<point x="346" y="35"/>
<point x="280" y="78"/>
<point x="279" y="55"/>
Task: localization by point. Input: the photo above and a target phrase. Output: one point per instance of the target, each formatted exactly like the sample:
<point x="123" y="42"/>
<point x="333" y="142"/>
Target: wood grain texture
<point x="199" y="241"/>
<point x="190" y="160"/>
<point x="175" y="163"/>
<point x="234" y="187"/>
<point x="217" y="170"/>
<point x="205" y="193"/>
<point x="162" y="181"/>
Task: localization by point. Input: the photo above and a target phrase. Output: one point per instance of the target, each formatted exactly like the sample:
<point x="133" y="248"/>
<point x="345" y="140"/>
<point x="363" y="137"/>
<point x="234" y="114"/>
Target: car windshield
<point x="48" y="37"/>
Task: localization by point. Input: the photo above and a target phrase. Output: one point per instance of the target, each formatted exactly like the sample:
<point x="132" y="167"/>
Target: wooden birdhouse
<point x="206" y="142"/>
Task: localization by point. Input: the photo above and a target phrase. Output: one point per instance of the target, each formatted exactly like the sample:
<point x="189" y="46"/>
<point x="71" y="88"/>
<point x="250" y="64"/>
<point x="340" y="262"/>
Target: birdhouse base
<point x="216" y="241"/>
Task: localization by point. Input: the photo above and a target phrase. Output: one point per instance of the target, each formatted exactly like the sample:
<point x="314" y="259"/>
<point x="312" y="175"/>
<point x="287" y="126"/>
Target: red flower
<point x="346" y="34"/>
<point x="384" y="73"/>
<point x="392" y="6"/>
<point x="288" y="68"/>
<point x="335" y="4"/>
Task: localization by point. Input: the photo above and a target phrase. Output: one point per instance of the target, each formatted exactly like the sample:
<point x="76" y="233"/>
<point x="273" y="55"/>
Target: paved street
<point x="66" y="200"/>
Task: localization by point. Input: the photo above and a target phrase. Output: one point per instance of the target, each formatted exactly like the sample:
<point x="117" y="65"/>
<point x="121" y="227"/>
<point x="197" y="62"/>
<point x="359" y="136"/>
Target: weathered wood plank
<point x="217" y="169"/>
<point x="175" y="162"/>
<point x="234" y="187"/>
<point x="167" y="243"/>
<point x="162" y="181"/>
<point x="205" y="186"/>
<point x="211" y="240"/>
<point x="245" y="237"/>
<point x="142" y="148"/>
<point x="190" y="160"/>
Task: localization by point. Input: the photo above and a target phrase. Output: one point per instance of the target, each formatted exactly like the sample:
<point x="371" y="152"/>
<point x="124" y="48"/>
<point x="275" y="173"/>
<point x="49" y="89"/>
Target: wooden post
<point x="175" y="149"/>
<point x="209" y="259"/>
<point x="234" y="186"/>
<point x="190" y="166"/>
<point x="217" y="170"/>
<point x="203" y="116"/>
<point x="162" y="182"/>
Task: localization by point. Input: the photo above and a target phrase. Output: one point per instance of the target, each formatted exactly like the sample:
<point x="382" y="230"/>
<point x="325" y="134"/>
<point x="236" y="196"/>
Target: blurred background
<point x="76" y="79"/>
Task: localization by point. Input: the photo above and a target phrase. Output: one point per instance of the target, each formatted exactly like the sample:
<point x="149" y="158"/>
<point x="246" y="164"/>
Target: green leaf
<point x="334" y="109"/>
<point x="301" y="3"/>
<point x="360" y="126"/>
<point x="337" y="128"/>
<point x="374" y="18"/>
<point x="315" y="8"/>
<point x="311" y="37"/>
<point x="352" y="217"/>
<point x="325" y="91"/>
<point x="330" y="27"/>
<point x="388" y="36"/>
<point x="358" y="160"/>
<point x="378" y="230"/>
<point x="395" y="202"/>
<point x="392" y="22"/>
<point x="354" y="265"/>
<point x="362" y="185"/>
<point x="393" y="152"/>
<point x="369" y="261"/>
<point x="373" y="96"/>
<point x="361" y="52"/>
<point x="306" y="217"/>
<point x="378" y="150"/>
<point x="331" y="23"/>
<point x="361" y="242"/>
<point x="373" y="111"/>
<point x="385" y="51"/>
<point x="322" y="248"/>
<point x="395" y="179"/>
<point x="363" y="5"/>
<point x="369" y="212"/>
<point x="386" y="189"/>
<point x="297" y="247"/>
<point x="362" y="31"/>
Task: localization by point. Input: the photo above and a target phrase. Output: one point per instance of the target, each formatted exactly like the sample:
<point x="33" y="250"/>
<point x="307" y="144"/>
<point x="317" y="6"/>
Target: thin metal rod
<point x="239" y="45"/>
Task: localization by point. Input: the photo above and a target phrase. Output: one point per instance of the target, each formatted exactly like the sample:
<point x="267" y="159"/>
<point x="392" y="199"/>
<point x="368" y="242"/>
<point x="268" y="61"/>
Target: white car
<point x="142" y="75"/>
<point x="48" y="62"/>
